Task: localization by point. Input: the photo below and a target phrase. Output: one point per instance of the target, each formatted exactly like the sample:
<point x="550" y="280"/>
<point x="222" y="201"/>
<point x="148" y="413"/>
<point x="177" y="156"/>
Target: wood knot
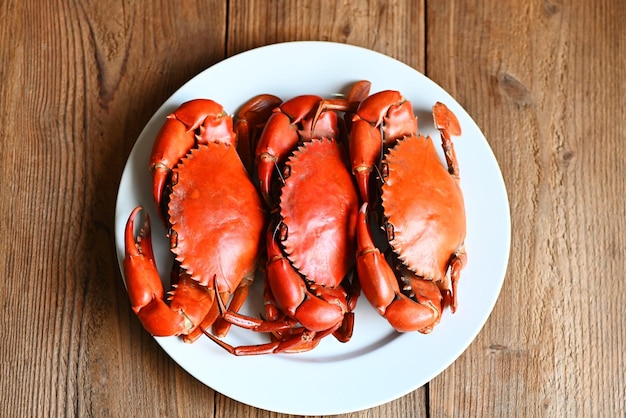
<point x="567" y="156"/>
<point x="346" y="30"/>
<point x="551" y="8"/>
<point x="515" y="90"/>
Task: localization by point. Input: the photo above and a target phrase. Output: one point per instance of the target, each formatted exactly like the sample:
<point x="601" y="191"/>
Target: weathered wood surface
<point x="543" y="79"/>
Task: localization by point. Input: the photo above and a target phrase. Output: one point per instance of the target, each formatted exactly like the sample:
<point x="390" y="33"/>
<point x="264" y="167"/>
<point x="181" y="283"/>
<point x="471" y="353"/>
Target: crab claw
<point x="365" y="146"/>
<point x="277" y="139"/>
<point x="171" y="144"/>
<point x="383" y="117"/>
<point x="359" y="91"/>
<point x="201" y="120"/>
<point x="301" y="117"/>
<point x="143" y="283"/>
<point x="381" y="288"/>
<point x="189" y="301"/>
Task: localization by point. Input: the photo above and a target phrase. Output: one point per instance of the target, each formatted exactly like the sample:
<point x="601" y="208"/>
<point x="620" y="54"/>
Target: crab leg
<point x="198" y="120"/>
<point x="319" y="311"/>
<point x="220" y="326"/>
<point x="282" y="132"/>
<point x="369" y="132"/>
<point x="316" y="308"/>
<point x="249" y="123"/>
<point x="166" y="151"/>
<point x="359" y="91"/>
<point x="381" y="288"/>
<point x="459" y="259"/>
<point x="189" y="301"/>
<point x="302" y="341"/>
<point x="448" y="124"/>
<point x="365" y="149"/>
<point x="287" y="338"/>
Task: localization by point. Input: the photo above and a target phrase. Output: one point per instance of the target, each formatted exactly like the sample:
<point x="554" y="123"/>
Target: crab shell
<point x="424" y="208"/>
<point x="216" y="216"/>
<point x="319" y="205"/>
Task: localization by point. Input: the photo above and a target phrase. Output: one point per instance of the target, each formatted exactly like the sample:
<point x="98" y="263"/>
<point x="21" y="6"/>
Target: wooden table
<point x="545" y="80"/>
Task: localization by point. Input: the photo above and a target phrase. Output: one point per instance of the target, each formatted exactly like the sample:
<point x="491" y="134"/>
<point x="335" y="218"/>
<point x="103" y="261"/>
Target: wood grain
<point x="554" y="345"/>
<point x="79" y="81"/>
<point x="394" y="28"/>
<point x="543" y="79"/>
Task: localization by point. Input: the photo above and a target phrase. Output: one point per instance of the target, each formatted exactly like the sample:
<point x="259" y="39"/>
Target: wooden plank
<point x="539" y="80"/>
<point x="79" y="81"/>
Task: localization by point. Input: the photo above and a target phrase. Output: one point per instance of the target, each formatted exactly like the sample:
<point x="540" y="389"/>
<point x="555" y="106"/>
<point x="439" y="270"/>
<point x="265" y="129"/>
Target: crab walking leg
<point x="458" y="261"/>
<point x="381" y="288"/>
<point x="448" y="124"/>
<point x="220" y="326"/>
<point x="319" y="311"/>
<point x="213" y="318"/>
<point x="302" y="341"/>
<point x="189" y="304"/>
<point x="294" y="340"/>
<point x="316" y="308"/>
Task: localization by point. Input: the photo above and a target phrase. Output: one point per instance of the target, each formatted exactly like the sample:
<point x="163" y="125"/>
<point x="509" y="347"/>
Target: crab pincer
<point x="189" y="302"/>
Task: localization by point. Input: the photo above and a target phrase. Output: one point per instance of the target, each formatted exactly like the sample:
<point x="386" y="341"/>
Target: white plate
<point x="378" y="365"/>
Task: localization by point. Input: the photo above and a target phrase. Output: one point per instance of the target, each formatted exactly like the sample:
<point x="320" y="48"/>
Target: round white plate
<point x="378" y="365"/>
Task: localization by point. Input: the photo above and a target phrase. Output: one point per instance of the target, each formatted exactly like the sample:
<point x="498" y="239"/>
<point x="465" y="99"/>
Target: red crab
<point x="311" y="242"/>
<point x="422" y="212"/>
<point x="215" y="217"/>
